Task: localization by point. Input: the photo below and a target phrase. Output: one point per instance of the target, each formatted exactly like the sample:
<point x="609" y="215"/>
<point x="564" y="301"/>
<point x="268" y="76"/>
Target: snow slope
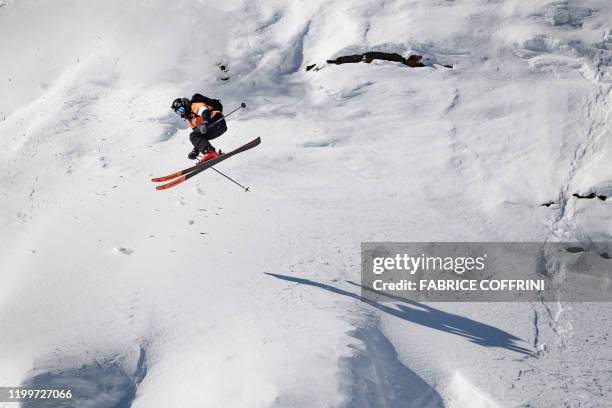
<point x="203" y="295"/>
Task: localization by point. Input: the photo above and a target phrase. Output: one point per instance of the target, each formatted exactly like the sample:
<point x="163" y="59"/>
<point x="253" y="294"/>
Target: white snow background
<point x="206" y="296"/>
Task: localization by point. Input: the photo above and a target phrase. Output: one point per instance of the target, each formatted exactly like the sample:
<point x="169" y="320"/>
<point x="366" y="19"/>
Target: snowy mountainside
<point x="203" y="295"/>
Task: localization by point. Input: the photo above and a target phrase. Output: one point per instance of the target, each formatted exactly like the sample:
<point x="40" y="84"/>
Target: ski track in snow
<point x="560" y="319"/>
<point x="205" y="296"/>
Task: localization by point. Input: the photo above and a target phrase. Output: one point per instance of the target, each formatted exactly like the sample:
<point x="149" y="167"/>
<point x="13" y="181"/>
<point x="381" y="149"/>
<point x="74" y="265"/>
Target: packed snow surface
<point x="206" y="296"/>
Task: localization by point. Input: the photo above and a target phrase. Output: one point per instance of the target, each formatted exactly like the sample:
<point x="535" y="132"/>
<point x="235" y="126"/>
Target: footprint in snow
<point x="125" y="251"/>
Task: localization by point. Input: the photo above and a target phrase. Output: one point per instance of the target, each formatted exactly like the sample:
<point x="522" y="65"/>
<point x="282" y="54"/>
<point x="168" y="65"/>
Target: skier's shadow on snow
<point x="474" y="331"/>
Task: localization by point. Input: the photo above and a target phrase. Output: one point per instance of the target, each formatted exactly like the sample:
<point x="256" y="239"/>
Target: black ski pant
<point x="201" y="142"/>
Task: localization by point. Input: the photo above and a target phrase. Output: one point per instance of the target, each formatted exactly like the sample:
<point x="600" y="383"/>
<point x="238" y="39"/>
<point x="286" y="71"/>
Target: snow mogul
<point x="205" y="117"/>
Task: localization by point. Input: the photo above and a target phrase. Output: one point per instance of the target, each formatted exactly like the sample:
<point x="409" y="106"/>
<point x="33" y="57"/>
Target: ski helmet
<point x="181" y="106"/>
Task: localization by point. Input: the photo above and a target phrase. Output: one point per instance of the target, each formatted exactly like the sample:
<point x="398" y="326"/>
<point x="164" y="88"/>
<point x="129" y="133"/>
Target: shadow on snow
<point x="425" y="315"/>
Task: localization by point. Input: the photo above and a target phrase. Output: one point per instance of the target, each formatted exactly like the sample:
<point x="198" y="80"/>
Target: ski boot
<point x="209" y="155"/>
<point x="193" y="154"/>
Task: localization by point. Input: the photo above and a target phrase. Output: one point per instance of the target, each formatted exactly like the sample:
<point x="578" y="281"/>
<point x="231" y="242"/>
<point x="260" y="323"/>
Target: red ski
<point x="186" y="174"/>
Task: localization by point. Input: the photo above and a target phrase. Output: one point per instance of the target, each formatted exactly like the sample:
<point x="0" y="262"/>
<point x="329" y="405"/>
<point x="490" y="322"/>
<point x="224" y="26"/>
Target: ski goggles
<point x="180" y="110"/>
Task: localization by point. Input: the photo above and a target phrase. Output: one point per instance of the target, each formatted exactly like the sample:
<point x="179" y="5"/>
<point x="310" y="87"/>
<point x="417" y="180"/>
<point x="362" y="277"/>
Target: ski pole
<point x="242" y="106"/>
<point x="231" y="179"/>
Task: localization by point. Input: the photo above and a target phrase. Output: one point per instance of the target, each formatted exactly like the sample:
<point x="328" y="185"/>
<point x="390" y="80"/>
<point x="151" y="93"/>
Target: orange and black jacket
<point x="200" y="113"/>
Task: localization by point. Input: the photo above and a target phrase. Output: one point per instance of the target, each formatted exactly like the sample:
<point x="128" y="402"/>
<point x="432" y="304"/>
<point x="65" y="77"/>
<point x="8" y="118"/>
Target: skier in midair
<point x="204" y="116"/>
